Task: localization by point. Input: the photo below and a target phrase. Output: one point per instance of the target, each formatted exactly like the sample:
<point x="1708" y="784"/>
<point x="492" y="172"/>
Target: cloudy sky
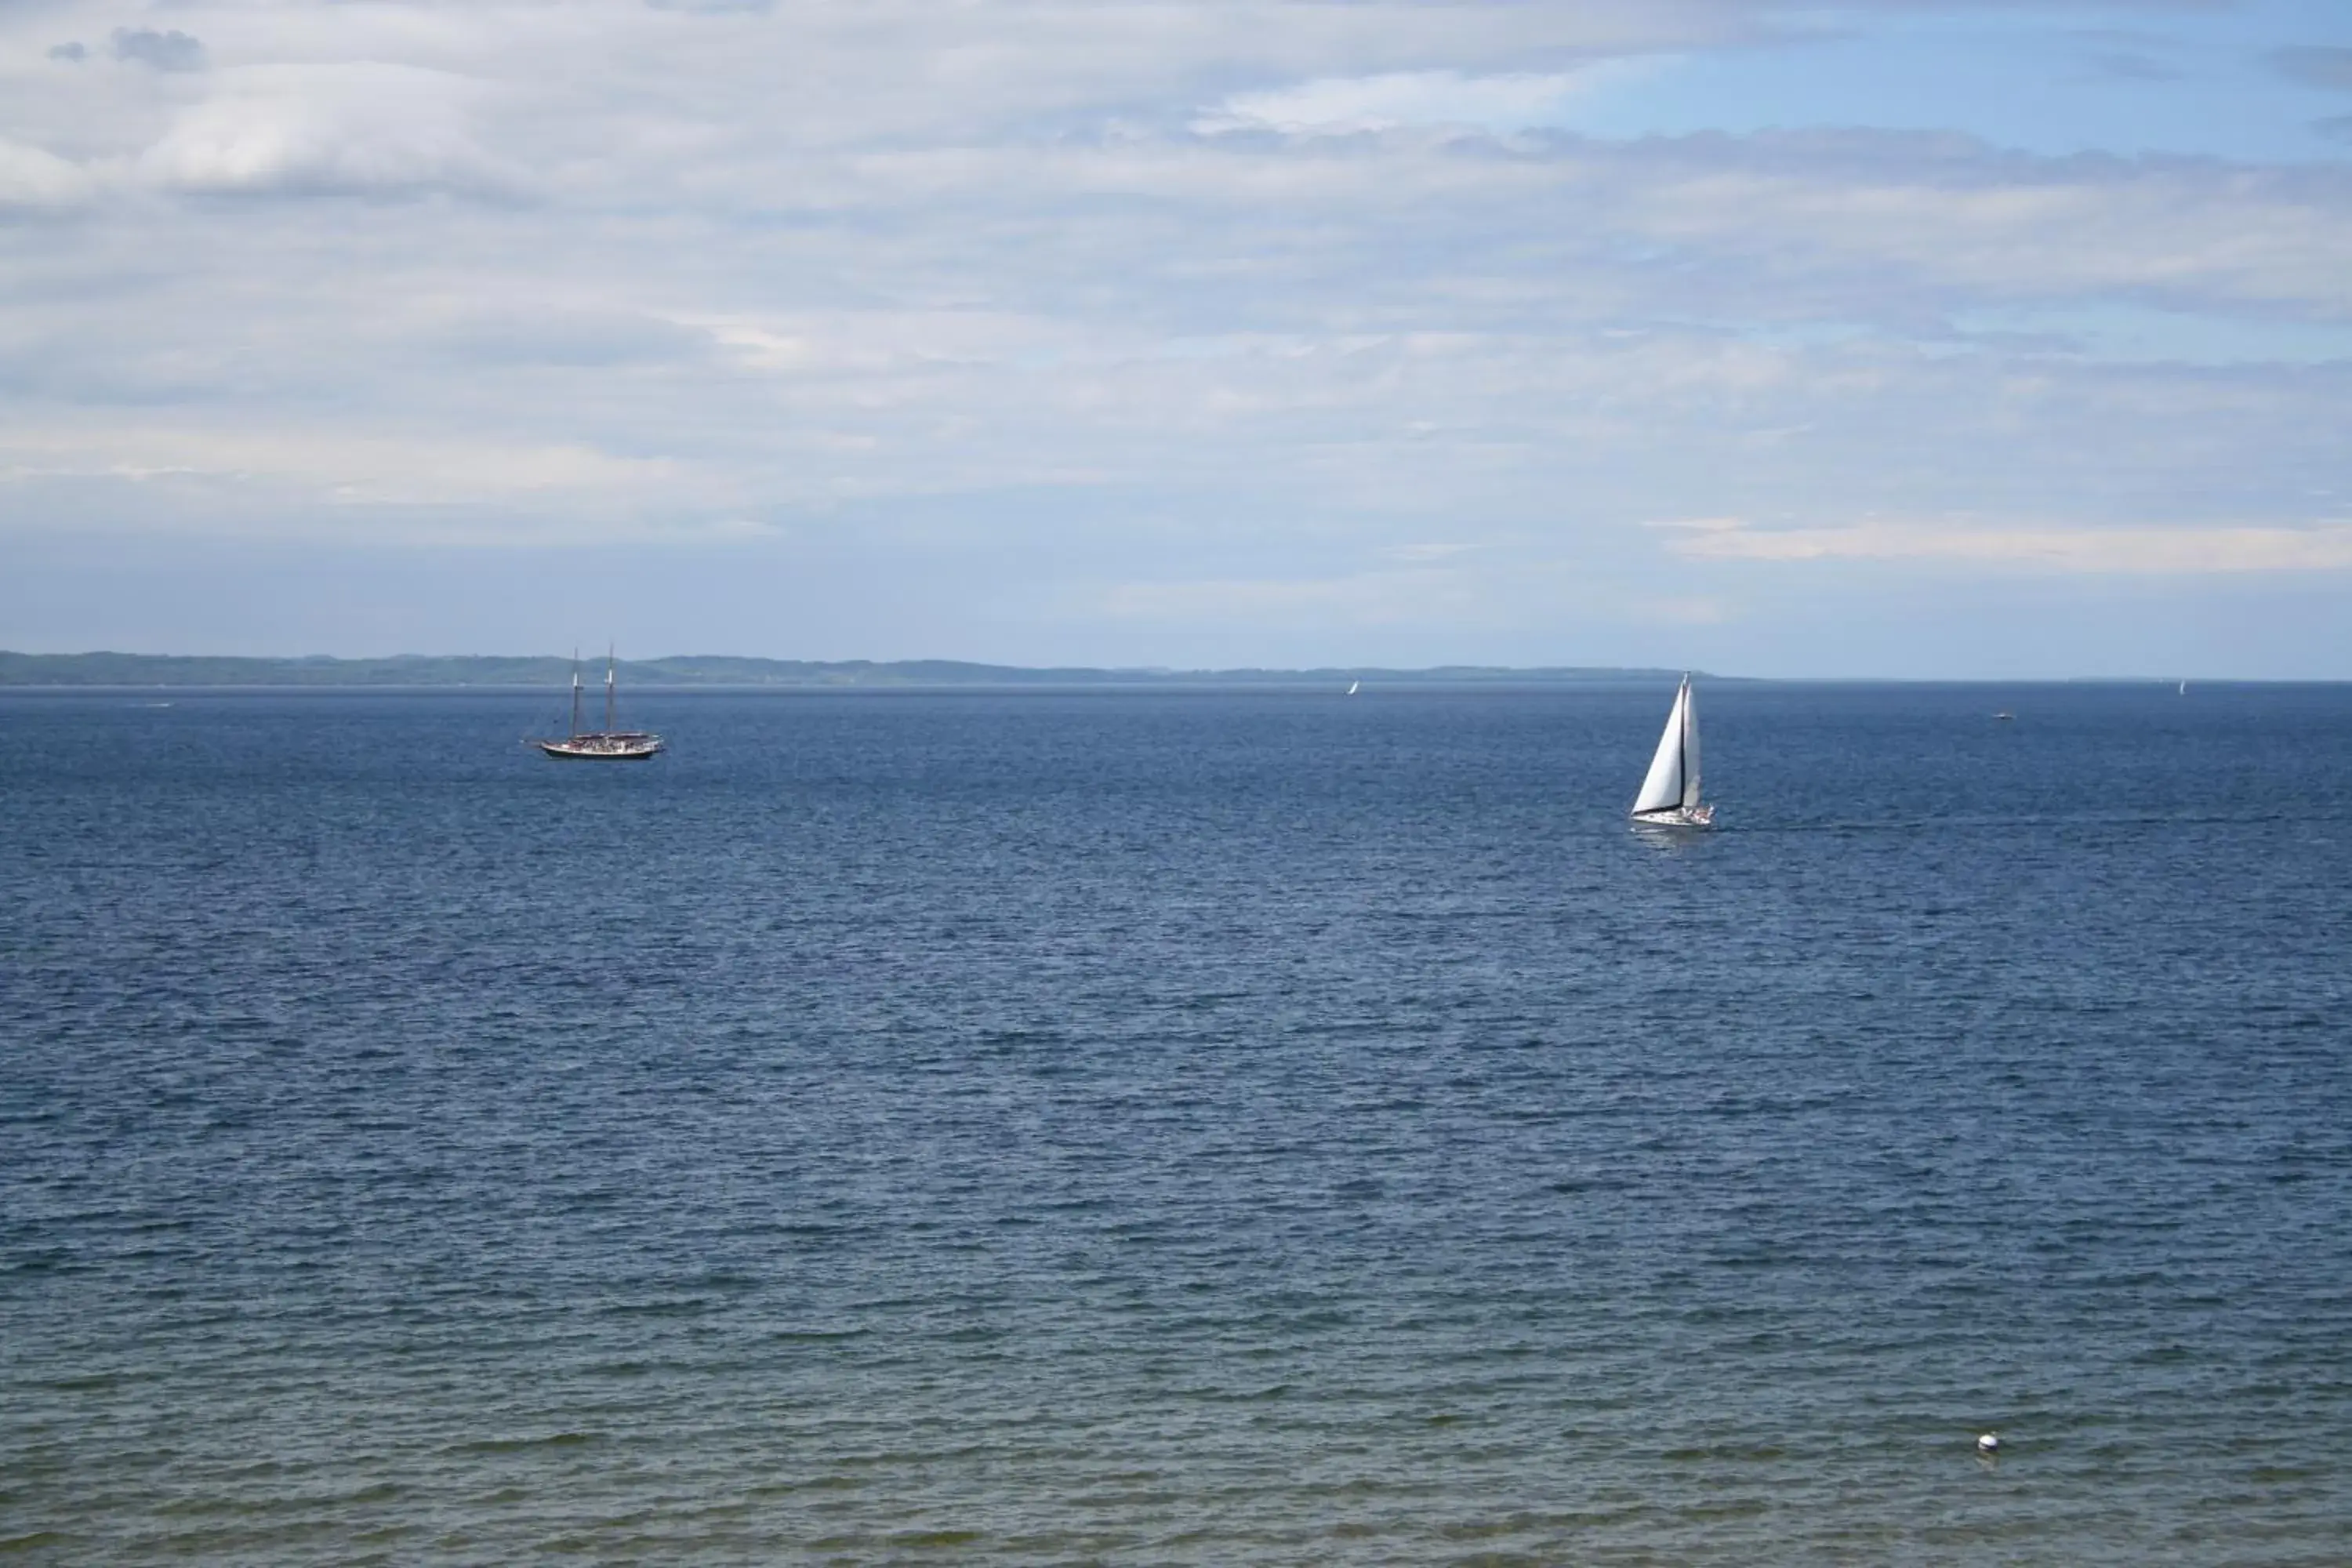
<point x="1916" y="337"/>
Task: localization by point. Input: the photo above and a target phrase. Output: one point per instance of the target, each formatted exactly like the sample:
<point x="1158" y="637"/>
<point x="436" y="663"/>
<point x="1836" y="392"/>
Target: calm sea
<point x="1178" y="1127"/>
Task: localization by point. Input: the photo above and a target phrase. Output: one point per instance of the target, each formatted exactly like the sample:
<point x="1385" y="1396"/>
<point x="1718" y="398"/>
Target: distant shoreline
<point x="720" y="673"/>
<point x="147" y="671"/>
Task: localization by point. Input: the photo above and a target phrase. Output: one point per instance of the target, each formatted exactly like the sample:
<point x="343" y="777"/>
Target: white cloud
<point x="1702" y="524"/>
<point x="323" y="465"/>
<point x="1342" y="105"/>
<point x="911" y="273"/>
<point x="2119" y="551"/>
<point x="351" y="128"/>
<point x="32" y="177"/>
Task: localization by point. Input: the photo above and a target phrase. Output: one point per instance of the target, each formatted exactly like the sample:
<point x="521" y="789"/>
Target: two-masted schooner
<point x="1669" y="796"/>
<point x="607" y="744"/>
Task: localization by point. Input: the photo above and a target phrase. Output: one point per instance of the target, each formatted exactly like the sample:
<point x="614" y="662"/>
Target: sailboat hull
<point x="1676" y="816"/>
<point x="602" y="748"/>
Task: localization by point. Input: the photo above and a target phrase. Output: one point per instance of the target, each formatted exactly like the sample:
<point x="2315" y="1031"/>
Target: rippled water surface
<point x="1165" y="1126"/>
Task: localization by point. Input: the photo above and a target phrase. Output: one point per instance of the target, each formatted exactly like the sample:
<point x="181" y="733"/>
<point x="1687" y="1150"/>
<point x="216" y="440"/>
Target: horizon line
<point x="23" y="669"/>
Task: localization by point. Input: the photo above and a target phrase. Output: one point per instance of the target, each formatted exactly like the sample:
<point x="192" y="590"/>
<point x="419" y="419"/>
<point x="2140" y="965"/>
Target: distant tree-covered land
<point x="701" y="669"/>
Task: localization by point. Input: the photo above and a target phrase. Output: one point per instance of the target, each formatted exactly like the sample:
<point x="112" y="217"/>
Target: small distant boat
<point x="607" y="744"/>
<point x="1352" y="687"/>
<point x="2004" y="716"/>
<point x="2184" y="689"/>
<point x="1669" y="796"/>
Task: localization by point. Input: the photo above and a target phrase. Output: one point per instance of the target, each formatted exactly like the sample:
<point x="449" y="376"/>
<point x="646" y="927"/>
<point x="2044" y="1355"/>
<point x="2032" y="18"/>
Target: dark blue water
<point x="1178" y="1127"/>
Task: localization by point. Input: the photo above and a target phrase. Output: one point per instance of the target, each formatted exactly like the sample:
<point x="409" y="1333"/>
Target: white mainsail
<point x="1672" y="784"/>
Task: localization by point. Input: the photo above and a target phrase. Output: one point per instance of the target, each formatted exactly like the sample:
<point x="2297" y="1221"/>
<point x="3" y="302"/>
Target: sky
<point x="1907" y="338"/>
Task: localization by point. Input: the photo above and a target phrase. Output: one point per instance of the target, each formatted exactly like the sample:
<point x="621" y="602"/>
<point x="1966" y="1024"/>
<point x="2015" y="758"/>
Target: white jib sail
<point x="1663" y="788"/>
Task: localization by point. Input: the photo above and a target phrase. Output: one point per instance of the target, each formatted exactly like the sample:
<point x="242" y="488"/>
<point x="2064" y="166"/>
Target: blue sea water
<point x="1178" y="1127"/>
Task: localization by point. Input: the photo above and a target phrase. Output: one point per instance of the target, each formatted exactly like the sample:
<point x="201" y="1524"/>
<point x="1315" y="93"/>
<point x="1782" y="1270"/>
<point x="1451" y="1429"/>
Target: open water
<point x="1178" y="1127"/>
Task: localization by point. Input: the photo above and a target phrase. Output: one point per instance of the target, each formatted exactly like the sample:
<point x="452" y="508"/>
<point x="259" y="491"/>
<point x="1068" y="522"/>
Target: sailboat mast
<point x="1690" y="747"/>
<point x="575" y="691"/>
<point x="608" y="690"/>
<point x="1684" y="708"/>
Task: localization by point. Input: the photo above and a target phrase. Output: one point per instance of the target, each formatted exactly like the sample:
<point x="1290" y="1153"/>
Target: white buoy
<point x="1989" y="1444"/>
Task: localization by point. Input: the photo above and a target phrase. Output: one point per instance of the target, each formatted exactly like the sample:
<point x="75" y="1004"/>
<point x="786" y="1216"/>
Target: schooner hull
<point x="569" y="752"/>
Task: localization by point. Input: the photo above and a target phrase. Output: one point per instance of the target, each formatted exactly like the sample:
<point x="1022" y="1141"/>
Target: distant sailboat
<point x="1352" y="686"/>
<point x="2184" y="689"/>
<point x="604" y="745"/>
<point x="1669" y="796"/>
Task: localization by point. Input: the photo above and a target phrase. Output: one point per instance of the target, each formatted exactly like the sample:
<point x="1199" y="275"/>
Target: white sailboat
<point x="1352" y="686"/>
<point x="1669" y="796"/>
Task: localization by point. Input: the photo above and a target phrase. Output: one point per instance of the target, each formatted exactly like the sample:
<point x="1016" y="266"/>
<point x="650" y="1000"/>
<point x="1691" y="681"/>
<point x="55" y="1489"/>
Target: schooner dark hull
<point x="575" y="751"/>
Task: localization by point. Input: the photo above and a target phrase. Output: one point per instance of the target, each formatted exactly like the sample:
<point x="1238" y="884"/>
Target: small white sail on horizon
<point x="1669" y="796"/>
<point x="1351" y="686"/>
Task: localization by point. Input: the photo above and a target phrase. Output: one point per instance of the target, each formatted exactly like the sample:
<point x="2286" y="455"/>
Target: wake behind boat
<point x="1669" y="796"/>
<point x="607" y="744"/>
